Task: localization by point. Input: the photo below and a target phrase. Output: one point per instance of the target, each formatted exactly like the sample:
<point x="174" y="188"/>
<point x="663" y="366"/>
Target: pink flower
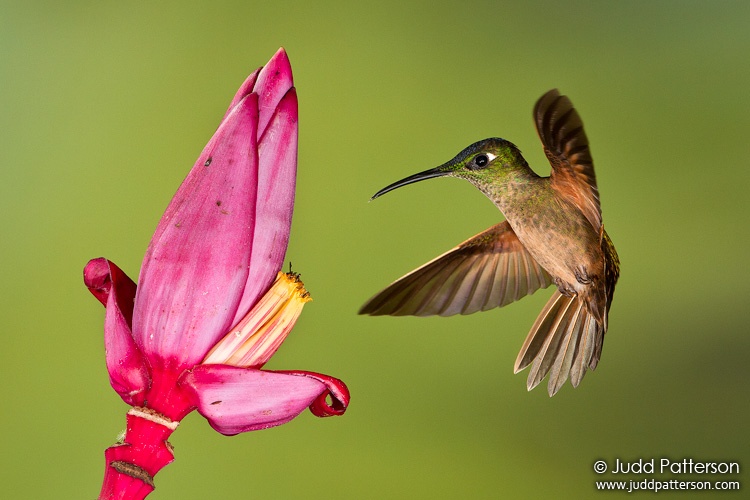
<point x="211" y="306"/>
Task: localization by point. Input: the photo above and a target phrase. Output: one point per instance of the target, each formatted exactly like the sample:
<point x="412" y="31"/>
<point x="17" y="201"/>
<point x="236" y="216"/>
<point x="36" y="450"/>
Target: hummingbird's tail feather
<point x="564" y="341"/>
<point x="589" y="353"/>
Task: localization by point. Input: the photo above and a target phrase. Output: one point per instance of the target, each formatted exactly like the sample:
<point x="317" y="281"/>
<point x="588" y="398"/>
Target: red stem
<point x="130" y="466"/>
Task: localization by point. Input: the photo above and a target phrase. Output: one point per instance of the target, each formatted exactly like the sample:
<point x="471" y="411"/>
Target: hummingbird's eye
<point x="481" y="161"/>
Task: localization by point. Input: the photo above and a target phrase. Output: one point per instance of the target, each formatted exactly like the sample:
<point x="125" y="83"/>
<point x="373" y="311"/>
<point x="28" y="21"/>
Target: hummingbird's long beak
<point x="421" y="176"/>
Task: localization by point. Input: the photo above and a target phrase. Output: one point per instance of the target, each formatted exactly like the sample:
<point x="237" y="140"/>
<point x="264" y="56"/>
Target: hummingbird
<point x="552" y="233"/>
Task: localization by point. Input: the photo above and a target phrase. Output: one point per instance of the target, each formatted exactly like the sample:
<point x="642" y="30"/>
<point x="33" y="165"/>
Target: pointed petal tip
<point x="277" y="70"/>
<point x="289" y="102"/>
<point x="245" y="89"/>
<point x="283" y="126"/>
<point x="246" y="105"/>
<point x="274" y="81"/>
<point x="281" y="61"/>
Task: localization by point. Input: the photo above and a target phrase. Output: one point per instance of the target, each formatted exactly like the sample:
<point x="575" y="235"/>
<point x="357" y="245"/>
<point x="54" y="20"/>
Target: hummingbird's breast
<point x="555" y="233"/>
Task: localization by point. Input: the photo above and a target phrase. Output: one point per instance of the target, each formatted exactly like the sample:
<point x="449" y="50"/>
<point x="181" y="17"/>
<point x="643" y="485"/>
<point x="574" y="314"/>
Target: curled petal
<point x="197" y="263"/>
<point x="235" y="400"/>
<point x="336" y="390"/>
<point x="102" y="276"/>
<point x="128" y="373"/>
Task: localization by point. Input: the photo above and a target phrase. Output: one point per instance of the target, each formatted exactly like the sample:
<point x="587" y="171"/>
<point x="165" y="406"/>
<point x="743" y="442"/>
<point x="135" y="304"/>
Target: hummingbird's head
<point x="483" y="162"/>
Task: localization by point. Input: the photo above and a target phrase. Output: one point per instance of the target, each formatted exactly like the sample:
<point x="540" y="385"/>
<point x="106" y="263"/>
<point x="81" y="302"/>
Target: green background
<point x="104" y="107"/>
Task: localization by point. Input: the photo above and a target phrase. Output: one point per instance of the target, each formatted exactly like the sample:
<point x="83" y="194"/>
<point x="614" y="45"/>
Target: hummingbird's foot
<point x="582" y="276"/>
<point x="564" y="287"/>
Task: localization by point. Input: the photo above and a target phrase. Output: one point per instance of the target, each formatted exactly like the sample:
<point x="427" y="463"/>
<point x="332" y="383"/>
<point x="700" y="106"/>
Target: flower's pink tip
<point x="271" y="82"/>
<point x="197" y="264"/>
<point x="128" y="372"/>
<point x="335" y="389"/>
<point x="236" y="400"/>
<point x="274" y="81"/>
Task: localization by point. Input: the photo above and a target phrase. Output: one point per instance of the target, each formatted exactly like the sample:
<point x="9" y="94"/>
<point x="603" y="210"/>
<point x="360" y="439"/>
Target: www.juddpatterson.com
<point x="668" y="467"/>
<point x="656" y="485"/>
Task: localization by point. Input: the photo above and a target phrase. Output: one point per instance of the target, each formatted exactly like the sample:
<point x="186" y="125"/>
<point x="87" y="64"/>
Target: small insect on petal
<point x="262" y="331"/>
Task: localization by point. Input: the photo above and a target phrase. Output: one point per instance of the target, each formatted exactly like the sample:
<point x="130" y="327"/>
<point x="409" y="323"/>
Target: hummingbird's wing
<point x="567" y="148"/>
<point x="490" y="270"/>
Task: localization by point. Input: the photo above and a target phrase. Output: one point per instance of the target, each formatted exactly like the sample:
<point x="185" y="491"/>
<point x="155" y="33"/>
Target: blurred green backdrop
<point x="105" y="107"/>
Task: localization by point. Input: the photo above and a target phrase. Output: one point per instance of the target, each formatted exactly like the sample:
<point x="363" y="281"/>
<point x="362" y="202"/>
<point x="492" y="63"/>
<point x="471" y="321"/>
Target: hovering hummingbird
<point x="553" y="233"/>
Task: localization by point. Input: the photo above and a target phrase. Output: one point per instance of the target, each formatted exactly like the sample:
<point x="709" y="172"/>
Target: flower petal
<point x="238" y="400"/>
<point x="245" y="89"/>
<point x="127" y="369"/>
<point x="274" y="81"/>
<point x="336" y="389"/>
<point x="271" y="82"/>
<point x="258" y="336"/>
<point x="277" y="174"/>
<point x="196" y="265"/>
<point x="103" y="277"/>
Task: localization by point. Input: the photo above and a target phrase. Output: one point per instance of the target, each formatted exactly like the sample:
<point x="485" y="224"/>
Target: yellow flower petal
<point x="262" y="331"/>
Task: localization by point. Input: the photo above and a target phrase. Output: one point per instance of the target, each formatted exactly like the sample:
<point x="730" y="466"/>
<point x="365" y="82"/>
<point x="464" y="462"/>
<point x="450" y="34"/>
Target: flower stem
<point x="132" y="464"/>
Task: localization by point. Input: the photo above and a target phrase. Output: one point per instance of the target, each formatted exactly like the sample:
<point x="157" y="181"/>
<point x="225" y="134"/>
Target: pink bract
<point x="215" y="252"/>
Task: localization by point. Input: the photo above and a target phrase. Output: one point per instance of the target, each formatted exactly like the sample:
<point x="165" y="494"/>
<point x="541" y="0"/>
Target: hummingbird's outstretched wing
<point x="567" y="148"/>
<point x="490" y="270"/>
